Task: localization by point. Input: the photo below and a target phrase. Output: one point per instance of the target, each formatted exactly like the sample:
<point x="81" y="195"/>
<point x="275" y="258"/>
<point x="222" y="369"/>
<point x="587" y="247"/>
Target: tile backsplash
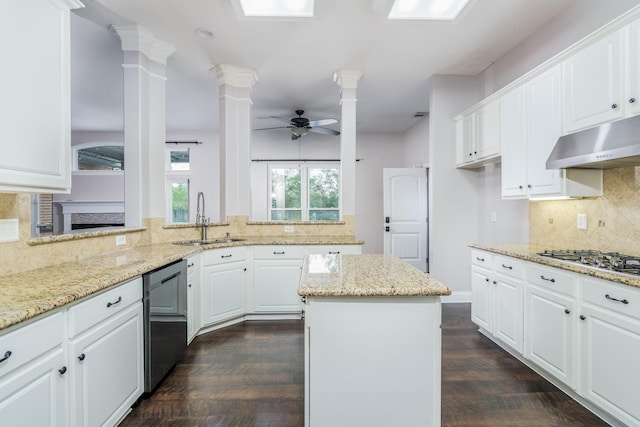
<point x="613" y="220"/>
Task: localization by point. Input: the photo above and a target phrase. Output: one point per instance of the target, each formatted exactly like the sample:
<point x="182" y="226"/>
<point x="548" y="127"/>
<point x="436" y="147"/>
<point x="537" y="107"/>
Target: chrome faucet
<point x="201" y="218"/>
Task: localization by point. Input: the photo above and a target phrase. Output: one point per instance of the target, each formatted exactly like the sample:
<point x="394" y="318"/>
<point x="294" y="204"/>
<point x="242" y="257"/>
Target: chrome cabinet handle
<point x="7" y="355"/>
<point x="552" y="280"/>
<point x="609" y="297"/>
<point x="118" y="301"/>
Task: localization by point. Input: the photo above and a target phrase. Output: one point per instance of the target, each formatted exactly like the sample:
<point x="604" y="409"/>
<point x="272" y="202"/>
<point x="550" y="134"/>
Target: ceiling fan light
<point x="299" y="131"/>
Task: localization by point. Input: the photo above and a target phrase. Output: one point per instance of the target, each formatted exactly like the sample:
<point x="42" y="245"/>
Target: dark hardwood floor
<point x="252" y="374"/>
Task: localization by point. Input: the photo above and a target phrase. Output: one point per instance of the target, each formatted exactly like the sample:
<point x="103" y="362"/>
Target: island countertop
<point x="365" y="275"/>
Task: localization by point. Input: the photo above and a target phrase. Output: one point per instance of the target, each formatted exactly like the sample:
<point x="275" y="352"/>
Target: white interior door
<point x="405" y="215"/>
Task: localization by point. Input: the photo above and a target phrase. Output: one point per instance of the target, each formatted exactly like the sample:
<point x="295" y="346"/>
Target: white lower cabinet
<point x="335" y="249"/>
<point x="581" y="331"/>
<point x="194" y="293"/>
<point x="610" y="337"/>
<point x="106" y="355"/>
<point x="224" y="285"/>
<point x="276" y="277"/>
<point x="34" y="375"/>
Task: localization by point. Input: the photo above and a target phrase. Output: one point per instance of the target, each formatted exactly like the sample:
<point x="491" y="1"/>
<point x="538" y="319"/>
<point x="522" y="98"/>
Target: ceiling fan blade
<point x="323" y="122"/>
<point x="324" y="131"/>
<point x="278" y="127"/>
<point x="282" y="119"/>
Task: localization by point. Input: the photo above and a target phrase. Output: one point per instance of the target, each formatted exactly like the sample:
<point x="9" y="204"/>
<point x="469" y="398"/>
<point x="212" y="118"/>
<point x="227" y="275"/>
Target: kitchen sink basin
<point x="207" y="242"/>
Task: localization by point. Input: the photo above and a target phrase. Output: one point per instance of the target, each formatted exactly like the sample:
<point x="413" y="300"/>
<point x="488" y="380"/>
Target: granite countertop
<point x="529" y="252"/>
<point x="24" y="296"/>
<point x="365" y="275"/>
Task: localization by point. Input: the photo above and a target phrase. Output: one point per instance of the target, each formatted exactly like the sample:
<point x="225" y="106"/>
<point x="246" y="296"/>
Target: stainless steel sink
<point x="207" y="242"/>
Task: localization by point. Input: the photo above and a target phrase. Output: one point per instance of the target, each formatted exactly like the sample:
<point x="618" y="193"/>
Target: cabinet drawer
<point x="91" y="312"/>
<point x="482" y="258"/>
<point x="551" y="278"/>
<point x="508" y="266"/>
<point x="220" y="256"/>
<point x="194" y="263"/>
<point x="28" y="342"/>
<point x="335" y="249"/>
<point x="611" y="296"/>
<point x="278" y="252"/>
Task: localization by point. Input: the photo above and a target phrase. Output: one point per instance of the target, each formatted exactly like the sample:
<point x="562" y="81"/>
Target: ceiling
<point x="294" y="61"/>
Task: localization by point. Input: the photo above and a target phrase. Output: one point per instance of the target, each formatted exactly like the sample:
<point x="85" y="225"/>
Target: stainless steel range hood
<point x="610" y="145"/>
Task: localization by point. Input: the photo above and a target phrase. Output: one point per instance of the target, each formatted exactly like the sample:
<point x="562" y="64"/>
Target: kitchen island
<point x="372" y="342"/>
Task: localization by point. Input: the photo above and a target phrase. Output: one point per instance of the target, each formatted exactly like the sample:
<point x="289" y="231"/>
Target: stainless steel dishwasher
<point x="165" y="321"/>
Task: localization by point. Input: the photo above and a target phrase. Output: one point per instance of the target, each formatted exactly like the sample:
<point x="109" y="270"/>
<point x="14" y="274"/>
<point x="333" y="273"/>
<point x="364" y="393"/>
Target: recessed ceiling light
<point x="427" y="9"/>
<point x="203" y="33"/>
<point x="277" y="8"/>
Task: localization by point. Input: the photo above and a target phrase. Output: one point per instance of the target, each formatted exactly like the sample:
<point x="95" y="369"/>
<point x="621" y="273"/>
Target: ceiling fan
<point x="300" y="126"/>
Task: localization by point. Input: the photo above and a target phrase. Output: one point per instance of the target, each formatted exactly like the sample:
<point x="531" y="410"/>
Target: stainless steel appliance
<point x="165" y="321"/>
<point x="612" y="261"/>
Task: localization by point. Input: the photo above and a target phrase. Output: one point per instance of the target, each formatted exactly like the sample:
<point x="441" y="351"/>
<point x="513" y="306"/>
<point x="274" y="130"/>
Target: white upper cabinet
<point x="593" y="84"/>
<point x="478" y="136"/>
<point x="632" y="97"/>
<point x="35" y="87"/>
<point x="530" y="125"/>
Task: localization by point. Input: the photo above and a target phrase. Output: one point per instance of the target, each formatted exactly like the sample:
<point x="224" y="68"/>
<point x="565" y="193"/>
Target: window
<point x="177" y="186"/>
<point x="309" y="192"/>
<point x="98" y="156"/>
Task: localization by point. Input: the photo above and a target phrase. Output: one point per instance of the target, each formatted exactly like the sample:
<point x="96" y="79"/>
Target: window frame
<point x="304" y="168"/>
<point x="176" y="177"/>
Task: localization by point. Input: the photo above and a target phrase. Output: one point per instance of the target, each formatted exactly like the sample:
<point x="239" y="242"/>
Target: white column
<point x="145" y="60"/>
<point x="348" y="82"/>
<point x="235" y="138"/>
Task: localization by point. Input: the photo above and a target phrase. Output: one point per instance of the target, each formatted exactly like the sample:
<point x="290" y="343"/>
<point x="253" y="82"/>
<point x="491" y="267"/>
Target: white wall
<point x="416" y="144"/>
<point x="377" y="151"/>
<point x="454" y="194"/>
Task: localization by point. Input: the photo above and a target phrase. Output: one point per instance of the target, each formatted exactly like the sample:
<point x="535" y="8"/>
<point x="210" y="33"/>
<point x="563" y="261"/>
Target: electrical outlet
<point x="288" y="228"/>
<point x="582" y="221"/>
<point x="494" y="217"/>
<point x="121" y="240"/>
<point x="9" y="230"/>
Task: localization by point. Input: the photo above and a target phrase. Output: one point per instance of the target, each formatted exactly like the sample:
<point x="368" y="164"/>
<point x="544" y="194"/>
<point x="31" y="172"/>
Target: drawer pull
<point x="552" y="280"/>
<point x="7" y="355"/>
<point x="334" y="252"/>
<point x="191" y="265"/>
<point x="567" y="311"/>
<point x="507" y="266"/>
<point x="118" y="301"/>
<point x="82" y="357"/>
<point x="609" y="297"/>
<point x="226" y="256"/>
<point x="278" y="253"/>
<point x="62" y="370"/>
<point x="480" y="259"/>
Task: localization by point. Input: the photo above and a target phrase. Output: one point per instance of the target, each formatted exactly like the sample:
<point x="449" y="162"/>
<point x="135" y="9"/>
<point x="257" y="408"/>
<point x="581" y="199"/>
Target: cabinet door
<point x="550" y="332"/>
<point x="609" y="356"/>
<point x="481" y="298"/>
<point x="513" y="138"/>
<point x="224" y="292"/>
<point x="543" y="130"/>
<point x="632" y="93"/>
<point x="276" y="285"/>
<point x="35" y="87"/>
<point x="593" y="84"/>
<point x="508" y="311"/>
<point x="465" y="139"/>
<point x="488" y="131"/>
<point x="194" y="292"/>
<point x="37" y="394"/>
<point x="107" y="371"/>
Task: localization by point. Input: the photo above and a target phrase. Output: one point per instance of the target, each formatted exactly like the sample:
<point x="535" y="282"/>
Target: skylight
<point x="427" y="9"/>
<point x="277" y="8"/>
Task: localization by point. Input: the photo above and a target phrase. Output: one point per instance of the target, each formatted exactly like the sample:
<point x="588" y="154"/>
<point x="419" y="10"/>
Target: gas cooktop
<point x="613" y="261"/>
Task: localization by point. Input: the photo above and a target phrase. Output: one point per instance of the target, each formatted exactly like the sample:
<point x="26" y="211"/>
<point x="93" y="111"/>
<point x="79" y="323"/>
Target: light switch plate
<point x="582" y="221"/>
<point x="288" y="228"/>
<point x="121" y="240"/>
<point x="9" y="230"/>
